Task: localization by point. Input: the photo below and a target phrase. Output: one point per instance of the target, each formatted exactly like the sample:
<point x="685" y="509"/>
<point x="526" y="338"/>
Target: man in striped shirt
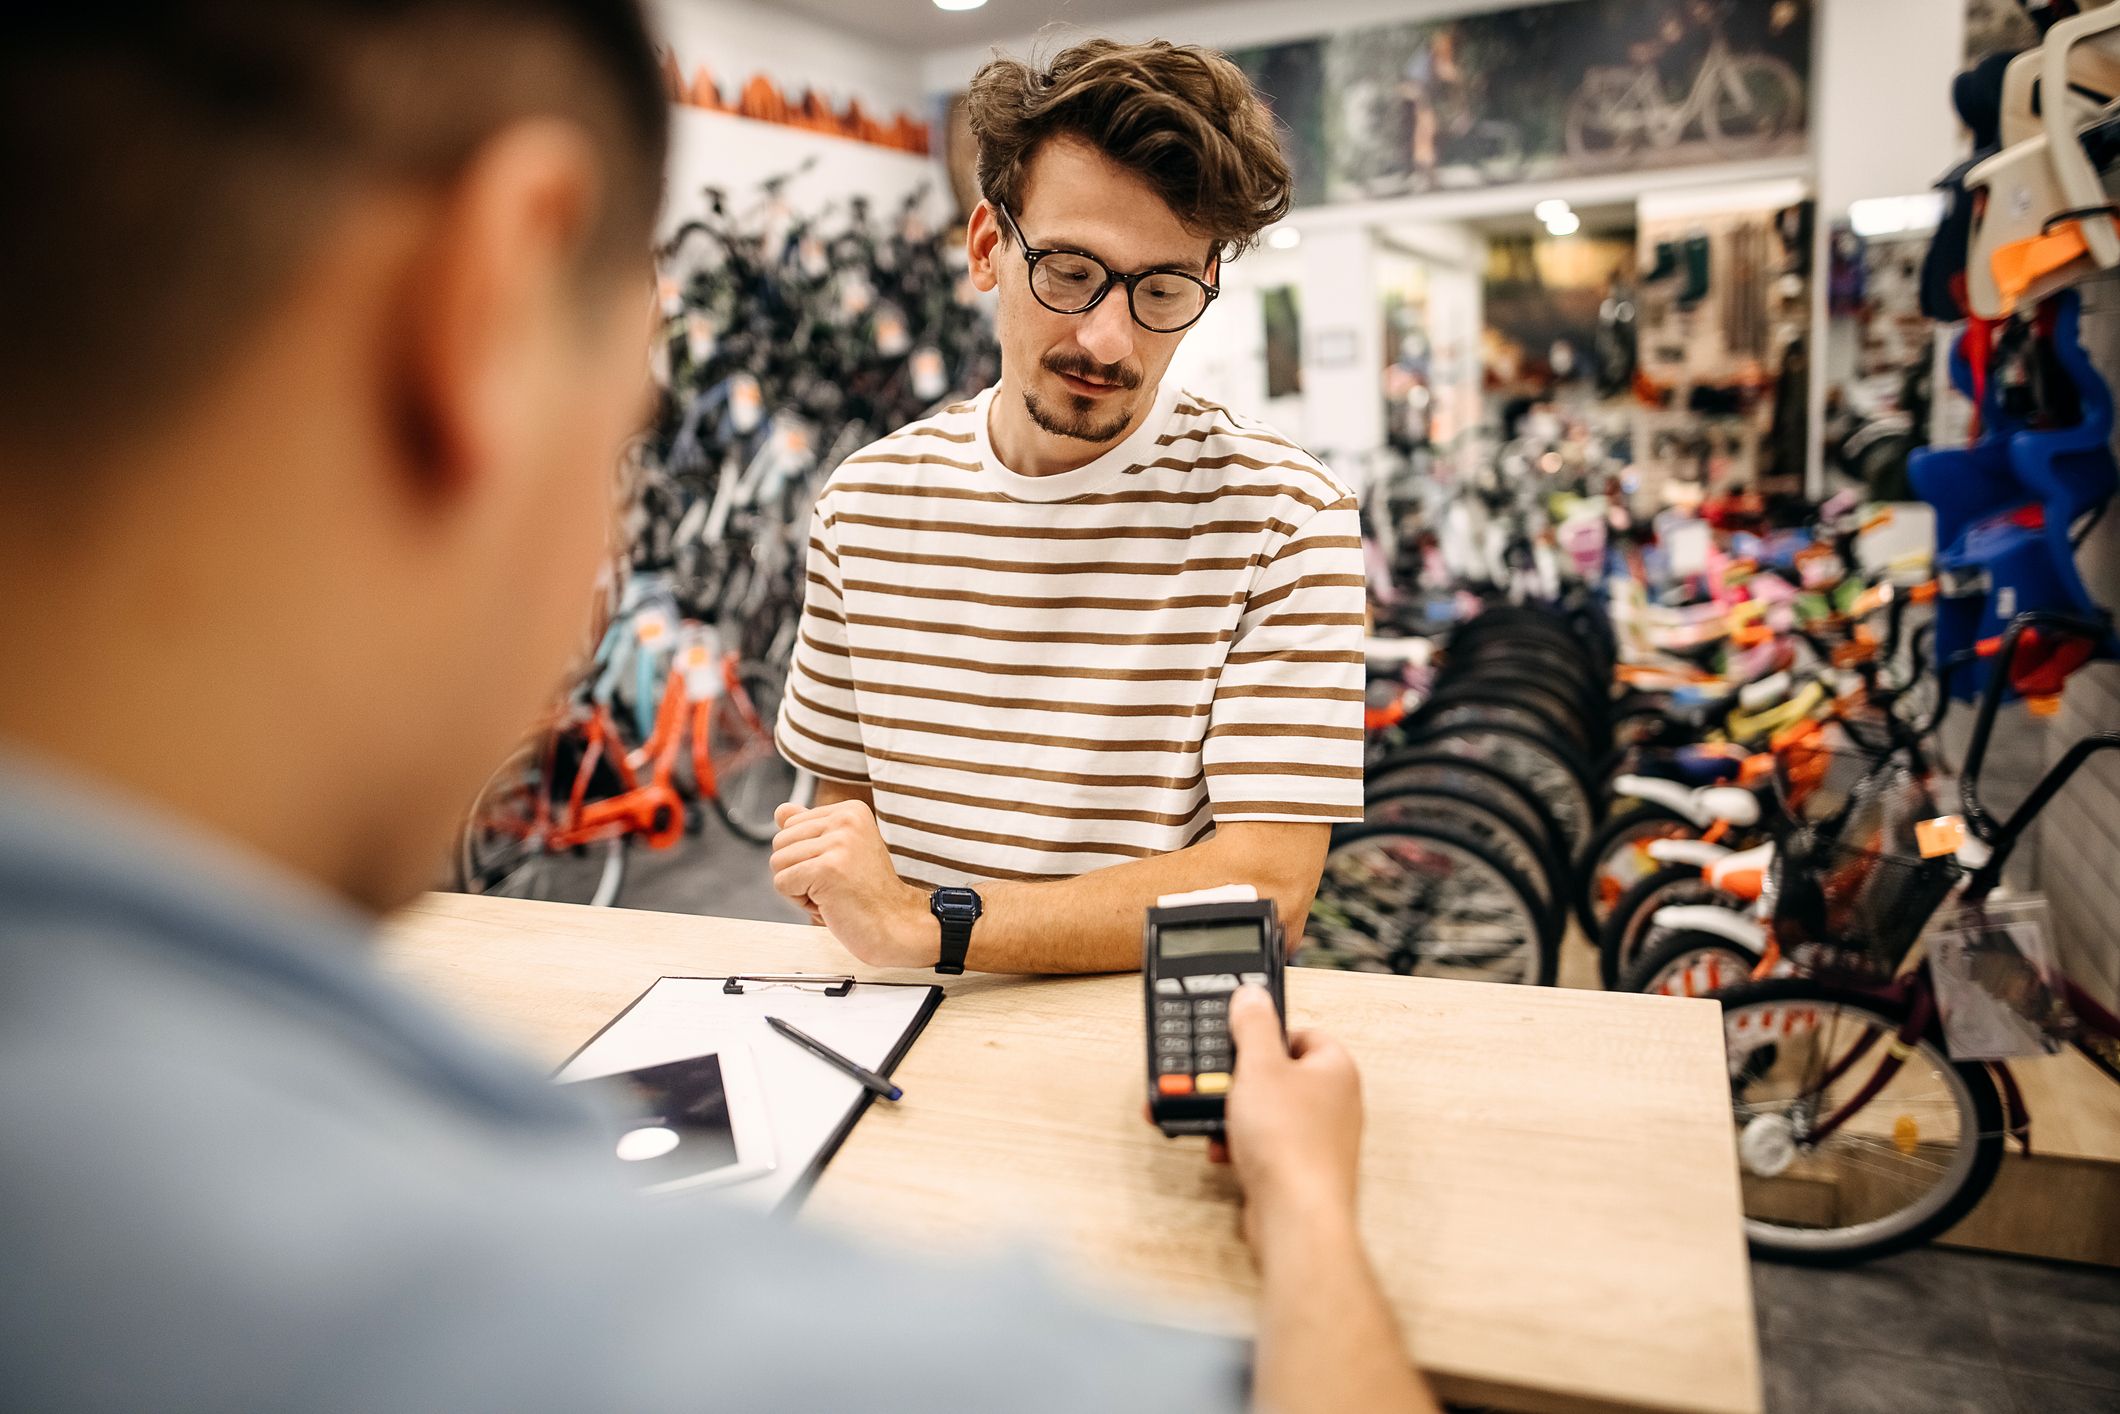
<point x="1087" y="638"/>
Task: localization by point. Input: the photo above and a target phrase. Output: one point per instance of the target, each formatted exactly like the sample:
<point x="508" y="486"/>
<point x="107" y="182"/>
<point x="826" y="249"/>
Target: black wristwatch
<point x="957" y="910"/>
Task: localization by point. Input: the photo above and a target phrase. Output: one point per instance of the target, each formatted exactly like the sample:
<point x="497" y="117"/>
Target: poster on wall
<point x="1576" y="88"/>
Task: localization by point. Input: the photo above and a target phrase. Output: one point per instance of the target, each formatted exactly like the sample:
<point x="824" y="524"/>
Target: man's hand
<point x="832" y="862"/>
<point x="1294" y="1121"/>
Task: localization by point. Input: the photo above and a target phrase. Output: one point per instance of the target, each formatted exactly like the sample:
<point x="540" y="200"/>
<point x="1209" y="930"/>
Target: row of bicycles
<point x="1727" y="771"/>
<point x="789" y="341"/>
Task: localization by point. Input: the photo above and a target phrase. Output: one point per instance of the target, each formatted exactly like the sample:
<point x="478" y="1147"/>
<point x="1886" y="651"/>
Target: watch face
<point x="955" y="905"/>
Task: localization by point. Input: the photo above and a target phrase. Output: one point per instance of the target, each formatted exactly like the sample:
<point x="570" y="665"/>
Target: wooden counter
<point x="1549" y="1185"/>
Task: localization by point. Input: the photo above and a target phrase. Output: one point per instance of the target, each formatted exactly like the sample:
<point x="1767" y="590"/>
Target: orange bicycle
<point x="557" y="820"/>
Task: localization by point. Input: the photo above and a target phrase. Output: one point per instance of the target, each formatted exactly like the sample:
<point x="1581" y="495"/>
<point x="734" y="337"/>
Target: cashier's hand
<point x="831" y="861"/>
<point x="1294" y="1121"/>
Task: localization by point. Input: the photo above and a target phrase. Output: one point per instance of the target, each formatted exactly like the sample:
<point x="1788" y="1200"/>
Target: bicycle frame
<point x="2098" y="1036"/>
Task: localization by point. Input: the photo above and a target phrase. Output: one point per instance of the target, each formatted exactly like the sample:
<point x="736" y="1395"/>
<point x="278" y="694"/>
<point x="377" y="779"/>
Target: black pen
<point x="823" y="1052"/>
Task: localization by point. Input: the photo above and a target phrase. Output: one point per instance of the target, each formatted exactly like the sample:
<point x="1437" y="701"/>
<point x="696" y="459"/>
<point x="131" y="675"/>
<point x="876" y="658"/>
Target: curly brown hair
<point x="1184" y="118"/>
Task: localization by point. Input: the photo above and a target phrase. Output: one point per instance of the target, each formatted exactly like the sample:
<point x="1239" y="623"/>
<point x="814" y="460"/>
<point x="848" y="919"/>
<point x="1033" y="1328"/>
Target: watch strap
<point x="956" y="942"/>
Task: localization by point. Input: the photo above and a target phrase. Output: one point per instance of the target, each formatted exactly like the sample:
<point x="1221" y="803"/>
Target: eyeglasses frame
<point x="1033" y="254"/>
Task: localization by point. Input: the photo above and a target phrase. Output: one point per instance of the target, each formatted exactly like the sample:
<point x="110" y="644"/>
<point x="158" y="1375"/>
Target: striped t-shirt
<point x="1042" y="676"/>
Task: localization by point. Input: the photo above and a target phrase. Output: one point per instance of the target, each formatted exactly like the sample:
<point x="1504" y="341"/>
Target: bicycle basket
<point x="1818" y="774"/>
<point x="1853" y="904"/>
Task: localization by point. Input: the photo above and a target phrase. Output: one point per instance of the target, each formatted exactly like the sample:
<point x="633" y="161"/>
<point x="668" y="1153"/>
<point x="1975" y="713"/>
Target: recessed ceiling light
<point x="1550" y="210"/>
<point x="1284" y="238"/>
<point x="958" y="4"/>
<point x="1565" y="224"/>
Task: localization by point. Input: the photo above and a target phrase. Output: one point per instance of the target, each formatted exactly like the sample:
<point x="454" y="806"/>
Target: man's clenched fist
<point x="832" y="861"/>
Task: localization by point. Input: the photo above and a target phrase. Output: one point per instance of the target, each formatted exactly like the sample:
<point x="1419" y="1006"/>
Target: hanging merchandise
<point x="2040" y="218"/>
<point x="2011" y="508"/>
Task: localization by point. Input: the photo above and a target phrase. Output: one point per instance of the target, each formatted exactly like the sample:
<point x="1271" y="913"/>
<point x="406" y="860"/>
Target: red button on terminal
<point x="1174" y="1085"/>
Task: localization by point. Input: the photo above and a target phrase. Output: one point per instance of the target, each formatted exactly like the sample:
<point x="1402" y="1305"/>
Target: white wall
<point x="1881" y="114"/>
<point x="1881" y="125"/>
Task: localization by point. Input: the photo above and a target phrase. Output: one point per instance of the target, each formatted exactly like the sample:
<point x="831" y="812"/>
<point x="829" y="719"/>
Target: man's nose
<point x="1107" y="332"/>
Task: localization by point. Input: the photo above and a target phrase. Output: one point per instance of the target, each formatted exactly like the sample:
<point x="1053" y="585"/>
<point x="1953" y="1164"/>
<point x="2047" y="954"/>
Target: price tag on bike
<point x="697" y="664"/>
<point x="746" y="404"/>
<point x="930" y="379"/>
<point x="651" y="629"/>
<point x="700" y="337"/>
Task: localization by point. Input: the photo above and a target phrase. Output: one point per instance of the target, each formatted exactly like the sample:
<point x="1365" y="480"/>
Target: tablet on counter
<point x="702" y="1122"/>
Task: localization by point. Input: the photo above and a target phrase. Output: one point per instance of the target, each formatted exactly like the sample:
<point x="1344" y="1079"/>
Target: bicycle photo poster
<point x="1576" y="88"/>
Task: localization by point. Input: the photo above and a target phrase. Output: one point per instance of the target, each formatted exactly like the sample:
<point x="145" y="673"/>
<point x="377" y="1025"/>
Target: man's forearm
<point x="1092" y="923"/>
<point x="1329" y="1352"/>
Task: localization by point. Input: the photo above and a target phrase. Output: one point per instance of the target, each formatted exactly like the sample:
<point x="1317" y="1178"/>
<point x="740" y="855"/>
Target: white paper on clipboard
<point x="809" y="1102"/>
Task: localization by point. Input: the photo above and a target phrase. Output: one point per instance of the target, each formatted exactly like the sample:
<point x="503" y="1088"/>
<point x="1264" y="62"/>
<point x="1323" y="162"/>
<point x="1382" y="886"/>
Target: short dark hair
<point x="1185" y="118"/>
<point x="167" y="164"/>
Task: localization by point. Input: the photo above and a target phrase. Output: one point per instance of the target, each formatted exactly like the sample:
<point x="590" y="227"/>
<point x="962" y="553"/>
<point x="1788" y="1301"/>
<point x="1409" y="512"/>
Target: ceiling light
<point x="1565" y="224"/>
<point x="1550" y="210"/>
<point x="958" y="4"/>
<point x="1284" y="238"/>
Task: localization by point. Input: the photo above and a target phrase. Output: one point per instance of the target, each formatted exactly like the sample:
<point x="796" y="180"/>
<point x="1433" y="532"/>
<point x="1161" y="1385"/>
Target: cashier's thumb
<point x="1254" y="1025"/>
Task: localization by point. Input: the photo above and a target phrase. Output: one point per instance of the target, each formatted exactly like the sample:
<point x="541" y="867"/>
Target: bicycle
<point x="577" y="792"/>
<point x="1735" y="99"/>
<point x="1857" y="1132"/>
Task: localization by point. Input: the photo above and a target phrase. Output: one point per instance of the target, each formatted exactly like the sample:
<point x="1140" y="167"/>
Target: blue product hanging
<point x="2006" y="505"/>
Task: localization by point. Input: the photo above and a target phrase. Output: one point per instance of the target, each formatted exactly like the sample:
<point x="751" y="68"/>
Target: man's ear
<point x="982" y="244"/>
<point x="489" y="284"/>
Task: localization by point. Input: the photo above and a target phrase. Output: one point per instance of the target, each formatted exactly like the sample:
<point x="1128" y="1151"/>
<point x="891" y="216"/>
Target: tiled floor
<point x="1933" y="1331"/>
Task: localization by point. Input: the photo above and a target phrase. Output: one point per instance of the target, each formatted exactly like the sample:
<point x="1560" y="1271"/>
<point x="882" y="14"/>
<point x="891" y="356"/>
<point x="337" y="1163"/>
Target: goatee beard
<point x="1075" y="422"/>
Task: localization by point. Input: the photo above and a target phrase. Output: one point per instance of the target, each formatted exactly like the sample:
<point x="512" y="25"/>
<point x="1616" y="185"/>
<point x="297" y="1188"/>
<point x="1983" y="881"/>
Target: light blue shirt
<point x="240" y="1169"/>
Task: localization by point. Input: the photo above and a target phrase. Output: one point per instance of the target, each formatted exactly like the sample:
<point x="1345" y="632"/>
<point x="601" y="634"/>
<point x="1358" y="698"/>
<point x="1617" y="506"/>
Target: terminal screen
<point x="1206" y="939"/>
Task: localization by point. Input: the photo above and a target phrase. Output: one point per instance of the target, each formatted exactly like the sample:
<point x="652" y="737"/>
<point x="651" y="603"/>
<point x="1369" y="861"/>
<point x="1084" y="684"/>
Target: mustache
<point x="1117" y="374"/>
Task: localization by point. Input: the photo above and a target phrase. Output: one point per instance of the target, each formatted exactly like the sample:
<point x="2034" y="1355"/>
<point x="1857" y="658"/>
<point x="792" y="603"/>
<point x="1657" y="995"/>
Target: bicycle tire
<point x="534" y="876"/>
<point x="1422" y="805"/>
<point x="1689" y="963"/>
<point x="1475" y="777"/>
<point x="1620" y="829"/>
<point x="1551" y="711"/>
<point x="746" y="795"/>
<point x="1348" y="923"/>
<point x="1967" y="1184"/>
<point x="1573" y="804"/>
<point x="1625" y="934"/>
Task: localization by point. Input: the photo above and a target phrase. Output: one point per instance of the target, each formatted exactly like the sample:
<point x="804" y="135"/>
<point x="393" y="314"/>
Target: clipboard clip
<point x="833" y="986"/>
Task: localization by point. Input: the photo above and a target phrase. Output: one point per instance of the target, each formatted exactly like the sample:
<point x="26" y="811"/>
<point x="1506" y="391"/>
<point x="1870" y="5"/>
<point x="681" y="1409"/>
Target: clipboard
<point x="811" y="1106"/>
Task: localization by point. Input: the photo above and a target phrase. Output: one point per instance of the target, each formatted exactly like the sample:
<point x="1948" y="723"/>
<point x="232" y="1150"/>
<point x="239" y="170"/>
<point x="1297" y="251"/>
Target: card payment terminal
<point x="1193" y="958"/>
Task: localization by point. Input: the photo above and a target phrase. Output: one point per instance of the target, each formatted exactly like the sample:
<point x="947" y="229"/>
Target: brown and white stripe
<point x="1038" y="677"/>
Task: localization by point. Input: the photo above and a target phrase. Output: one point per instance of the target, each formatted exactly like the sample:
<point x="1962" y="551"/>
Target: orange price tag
<point x="1940" y="836"/>
<point x="652" y="628"/>
<point x="696" y="656"/>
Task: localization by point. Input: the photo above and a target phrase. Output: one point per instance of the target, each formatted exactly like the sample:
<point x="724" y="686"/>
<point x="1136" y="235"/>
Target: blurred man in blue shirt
<point x="323" y="323"/>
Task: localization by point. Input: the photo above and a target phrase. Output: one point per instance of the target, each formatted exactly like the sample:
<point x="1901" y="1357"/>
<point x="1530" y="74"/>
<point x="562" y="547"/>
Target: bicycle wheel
<point x="1603" y="118"/>
<point x="1424" y="805"/>
<point x="1546" y="766"/>
<point x="1425" y="901"/>
<point x="1630" y="928"/>
<point x="502" y="848"/>
<point x="751" y="778"/>
<point x="1467" y="775"/>
<point x="1831" y="1176"/>
<point x="1759" y="102"/>
<point x="1689" y="963"/>
<point x="1617" y="858"/>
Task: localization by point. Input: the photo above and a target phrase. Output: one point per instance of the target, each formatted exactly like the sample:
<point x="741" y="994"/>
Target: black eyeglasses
<point x="1070" y="282"/>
